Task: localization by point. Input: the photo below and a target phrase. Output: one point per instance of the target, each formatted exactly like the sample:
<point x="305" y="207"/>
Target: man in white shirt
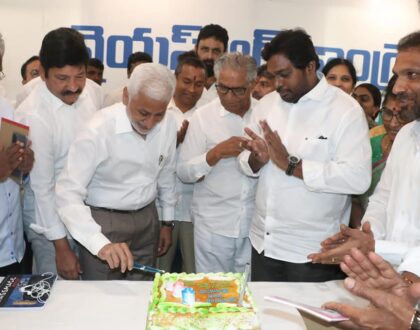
<point x="313" y="154"/>
<point x="223" y="197"/>
<point x="55" y="110"/>
<point x="190" y="76"/>
<point x="116" y="168"/>
<point x="212" y="42"/>
<point x="12" y="245"/>
<point x="391" y="224"/>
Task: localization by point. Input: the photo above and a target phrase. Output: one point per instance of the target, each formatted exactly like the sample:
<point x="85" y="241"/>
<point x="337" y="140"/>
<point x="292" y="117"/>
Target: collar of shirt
<point x="318" y="92"/>
<point x="172" y="106"/>
<point x="223" y="112"/>
<point x="415" y="131"/>
<point x="55" y="102"/>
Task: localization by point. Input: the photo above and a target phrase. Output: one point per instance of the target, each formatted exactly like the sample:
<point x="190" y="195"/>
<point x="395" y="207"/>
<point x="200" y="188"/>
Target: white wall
<point x="353" y="26"/>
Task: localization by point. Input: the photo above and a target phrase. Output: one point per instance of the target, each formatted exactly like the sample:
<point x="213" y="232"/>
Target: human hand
<point x="68" y="266"/>
<point x="340" y="244"/>
<point x="180" y="136"/>
<point x="386" y="312"/>
<point x="10" y="158"/>
<point x="231" y="147"/>
<point x="117" y="255"/>
<point x="276" y="149"/>
<point x="165" y="240"/>
<point x="259" y="150"/>
<point x="374" y="272"/>
<point x="28" y="159"/>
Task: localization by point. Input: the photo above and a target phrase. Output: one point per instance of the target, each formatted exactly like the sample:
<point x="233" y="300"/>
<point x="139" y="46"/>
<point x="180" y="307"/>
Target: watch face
<point x="294" y="159"/>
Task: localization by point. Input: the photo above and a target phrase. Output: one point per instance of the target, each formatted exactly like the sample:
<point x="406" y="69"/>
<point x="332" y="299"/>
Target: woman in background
<point x="341" y="73"/>
<point x="369" y="98"/>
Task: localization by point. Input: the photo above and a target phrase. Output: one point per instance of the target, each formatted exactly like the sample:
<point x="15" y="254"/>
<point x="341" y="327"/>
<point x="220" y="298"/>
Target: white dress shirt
<point x="394" y="208"/>
<point x="208" y="96"/>
<point x="184" y="191"/>
<point x="53" y="127"/>
<point x="12" y="245"/>
<point x="327" y="129"/>
<point x="223" y="201"/>
<point x="110" y="165"/>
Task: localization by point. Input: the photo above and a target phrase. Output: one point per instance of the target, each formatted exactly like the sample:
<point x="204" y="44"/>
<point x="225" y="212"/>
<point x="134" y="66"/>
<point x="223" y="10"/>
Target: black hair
<point x="388" y="90"/>
<point x="374" y="91"/>
<point x="61" y="47"/>
<point x="341" y="61"/>
<point x="411" y="40"/>
<point x="294" y="44"/>
<point x="138" y="57"/>
<point x="24" y="65"/>
<point x="96" y="63"/>
<point x="214" y="31"/>
<point x="189" y="58"/>
<point x="262" y="72"/>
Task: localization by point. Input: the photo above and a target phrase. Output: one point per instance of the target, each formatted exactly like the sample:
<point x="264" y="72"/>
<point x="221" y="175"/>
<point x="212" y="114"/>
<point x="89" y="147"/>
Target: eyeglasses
<point x="404" y="116"/>
<point x="237" y="91"/>
<point x="2" y="75"/>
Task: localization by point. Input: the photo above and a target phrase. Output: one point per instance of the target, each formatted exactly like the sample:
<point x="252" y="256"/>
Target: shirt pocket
<point x="315" y="149"/>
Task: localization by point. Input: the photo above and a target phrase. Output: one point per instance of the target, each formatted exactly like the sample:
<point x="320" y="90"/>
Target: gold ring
<point x="240" y="144"/>
<point x="333" y="260"/>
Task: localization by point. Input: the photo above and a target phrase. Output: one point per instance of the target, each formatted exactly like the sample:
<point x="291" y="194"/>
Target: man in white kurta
<point x="116" y="168"/>
<point x="302" y="199"/>
<point x="190" y="76"/>
<point x="223" y="197"/>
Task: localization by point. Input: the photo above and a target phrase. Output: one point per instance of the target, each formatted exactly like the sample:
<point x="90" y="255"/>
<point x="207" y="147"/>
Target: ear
<point x="311" y="67"/>
<point x="125" y="96"/>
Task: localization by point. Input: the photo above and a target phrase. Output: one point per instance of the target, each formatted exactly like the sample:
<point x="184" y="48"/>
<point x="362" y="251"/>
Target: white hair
<point x="1" y="46"/>
<point x="237" y="61"/>
<point x="154" y="80"/>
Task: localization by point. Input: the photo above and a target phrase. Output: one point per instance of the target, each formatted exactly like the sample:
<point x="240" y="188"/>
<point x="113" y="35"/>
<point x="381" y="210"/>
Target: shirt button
<point x="267" y="233"/>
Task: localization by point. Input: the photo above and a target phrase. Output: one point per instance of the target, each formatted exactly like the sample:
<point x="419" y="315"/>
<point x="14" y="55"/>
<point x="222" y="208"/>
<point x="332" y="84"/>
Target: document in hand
<point x="324" y="314"/>
<point x="26" y="291"/>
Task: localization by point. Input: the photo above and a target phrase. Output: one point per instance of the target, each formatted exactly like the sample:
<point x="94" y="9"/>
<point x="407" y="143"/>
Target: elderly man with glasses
<point x="223" y="198"/>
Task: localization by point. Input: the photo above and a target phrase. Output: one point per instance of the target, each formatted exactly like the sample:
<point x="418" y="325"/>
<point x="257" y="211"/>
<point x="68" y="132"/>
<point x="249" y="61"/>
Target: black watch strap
<point x="293" y="163"/>
<point x="415" y="322"/>
<point x="168" y="224"/>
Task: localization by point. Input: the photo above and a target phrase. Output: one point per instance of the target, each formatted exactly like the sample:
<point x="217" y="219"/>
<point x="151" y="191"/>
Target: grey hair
<point x="237" y="61"/>
<point x="1" y="46"/>
<point x="154" y="80"/>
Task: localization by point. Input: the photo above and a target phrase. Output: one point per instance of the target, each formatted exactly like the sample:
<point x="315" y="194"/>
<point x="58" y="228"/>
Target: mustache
<point x="209" y="67"/>
<point x="77" y="92"/>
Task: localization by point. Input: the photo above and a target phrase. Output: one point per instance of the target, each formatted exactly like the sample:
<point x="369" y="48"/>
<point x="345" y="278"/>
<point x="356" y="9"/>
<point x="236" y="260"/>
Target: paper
<point x="324" y="314"/>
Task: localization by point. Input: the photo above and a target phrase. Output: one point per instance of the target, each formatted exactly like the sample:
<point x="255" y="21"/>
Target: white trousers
<point x="216" y="253"/>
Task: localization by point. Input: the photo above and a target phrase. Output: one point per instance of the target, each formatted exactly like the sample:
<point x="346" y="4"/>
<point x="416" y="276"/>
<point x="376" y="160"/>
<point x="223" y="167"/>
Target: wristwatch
<point x="168" y="224"/>
<point x="293" y="163"/>
<point x="415" y="321"/>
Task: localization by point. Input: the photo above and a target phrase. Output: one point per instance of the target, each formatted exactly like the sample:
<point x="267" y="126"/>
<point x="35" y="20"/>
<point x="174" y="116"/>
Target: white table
<point x="89" y="305"/>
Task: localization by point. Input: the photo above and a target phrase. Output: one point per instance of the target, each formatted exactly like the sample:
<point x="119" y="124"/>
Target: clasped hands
<point x="262" y="149"/>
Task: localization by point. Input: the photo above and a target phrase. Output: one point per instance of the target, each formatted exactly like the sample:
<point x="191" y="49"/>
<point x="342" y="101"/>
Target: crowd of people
<point x="301" y="172"/>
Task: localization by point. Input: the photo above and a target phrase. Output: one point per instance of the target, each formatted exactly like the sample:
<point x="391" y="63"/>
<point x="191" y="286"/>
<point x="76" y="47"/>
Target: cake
<point x="201" y="301"/>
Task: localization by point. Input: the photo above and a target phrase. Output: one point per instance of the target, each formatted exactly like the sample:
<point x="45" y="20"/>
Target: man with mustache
<point x="212" y="42"/>
<point x="55" y="110"/>
<point x="311" y="151"/>
<point x="391" y="225"/>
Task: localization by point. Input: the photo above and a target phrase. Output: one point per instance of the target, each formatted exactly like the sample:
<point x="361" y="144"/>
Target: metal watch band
<point x="415" y="322"/>
<point x="168" y="224"/>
